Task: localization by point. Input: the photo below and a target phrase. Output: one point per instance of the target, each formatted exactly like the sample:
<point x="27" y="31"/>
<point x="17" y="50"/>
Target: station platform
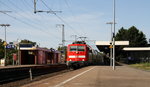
<point x="98" y="76"/>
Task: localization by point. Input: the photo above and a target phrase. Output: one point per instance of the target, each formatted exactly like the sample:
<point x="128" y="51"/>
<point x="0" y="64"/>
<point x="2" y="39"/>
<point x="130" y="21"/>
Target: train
<point x="80" y="54"/>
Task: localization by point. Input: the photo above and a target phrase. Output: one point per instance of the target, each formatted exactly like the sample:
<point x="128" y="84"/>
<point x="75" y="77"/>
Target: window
<point x="73" y="48"/>
<point x="80" y="48"/>
<point x="76" y="48"/>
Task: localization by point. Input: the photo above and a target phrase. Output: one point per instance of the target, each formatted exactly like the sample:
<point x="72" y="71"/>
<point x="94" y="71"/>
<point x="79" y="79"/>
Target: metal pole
<point x="35" y="6"/>
<point x="110" y="42"/>
<point x="114" y="35"/>
<point x="111" y="49"/>
<point x="19" y="53"/>
<point x="75" y="36"/>
<point x="63" y="39"/>
<point x="63" y="33"/>
<point x="36" y="11"/>
<point x="5" y="43"/>
<point x="30" y="72"/>
<point x="63" y="36"/>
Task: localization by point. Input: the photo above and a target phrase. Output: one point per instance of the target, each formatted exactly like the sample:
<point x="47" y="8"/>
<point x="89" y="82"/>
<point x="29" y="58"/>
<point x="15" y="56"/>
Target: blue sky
<point x="81" y="17"/>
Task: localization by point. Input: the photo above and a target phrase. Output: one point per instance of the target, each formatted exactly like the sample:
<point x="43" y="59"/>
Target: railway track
<point x="8" y="75"/>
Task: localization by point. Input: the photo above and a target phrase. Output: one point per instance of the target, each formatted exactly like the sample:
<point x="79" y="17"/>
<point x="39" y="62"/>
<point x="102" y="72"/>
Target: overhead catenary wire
<point x="81" y="28"/>
<point x="60" y="18"/>
<point x="25" y="22"/>
<point x="30" y="6"/>
<point x="27" y="14"/>
<point x="27" y="4"/>
<point x="29" y="24"/>
<point x="21" y="10"/>
<point x="34" y="22"/>
<point x="34" y="27"/>
<point x="37" y="24"/>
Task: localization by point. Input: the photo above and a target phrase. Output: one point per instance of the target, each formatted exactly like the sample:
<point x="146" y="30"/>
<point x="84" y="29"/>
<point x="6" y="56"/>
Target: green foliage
<point x="59" y="48"/>
<point x="9" y="57"/>
<point x="1" y="49"/>
<point x="143" y="66"/>
<point x="28" y="41"/>
<point x="122" y="34"/>
<point x="62" y="48"/>
<point x="135" y="37"/>
<point x="9" y="53"/>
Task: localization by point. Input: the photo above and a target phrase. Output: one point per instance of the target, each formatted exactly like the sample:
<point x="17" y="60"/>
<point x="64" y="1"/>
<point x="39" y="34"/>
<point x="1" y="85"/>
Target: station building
<point x="37" y="55"/>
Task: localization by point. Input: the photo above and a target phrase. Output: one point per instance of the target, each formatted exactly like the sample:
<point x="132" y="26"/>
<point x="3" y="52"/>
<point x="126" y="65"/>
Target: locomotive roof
<point x="79" y="42"/>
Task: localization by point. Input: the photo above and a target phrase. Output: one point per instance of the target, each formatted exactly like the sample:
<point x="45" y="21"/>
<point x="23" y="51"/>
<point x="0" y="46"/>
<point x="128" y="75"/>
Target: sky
<point x="84" y="18"/>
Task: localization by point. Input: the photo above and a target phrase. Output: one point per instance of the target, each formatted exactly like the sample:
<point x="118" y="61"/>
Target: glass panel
<point x="80" y="48"/>
<point x="73" y="48"/>
<point x="76" y="48"/>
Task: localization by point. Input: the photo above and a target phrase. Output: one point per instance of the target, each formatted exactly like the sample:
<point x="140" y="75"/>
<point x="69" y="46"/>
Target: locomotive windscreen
<point x="77" y="48"/>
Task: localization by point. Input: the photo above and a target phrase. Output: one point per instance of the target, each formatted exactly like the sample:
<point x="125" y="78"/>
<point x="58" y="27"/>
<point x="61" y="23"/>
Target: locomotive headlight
<point x="83" y="60"/>
<point x="70" y="60"/>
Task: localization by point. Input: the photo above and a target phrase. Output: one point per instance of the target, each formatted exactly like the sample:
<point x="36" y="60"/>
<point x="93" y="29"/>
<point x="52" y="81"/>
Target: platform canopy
<point x="105" y="45"/>
<point x="136" y="49"/>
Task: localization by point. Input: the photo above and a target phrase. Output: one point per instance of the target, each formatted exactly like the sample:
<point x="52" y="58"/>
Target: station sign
<point x="110" y="46"/>
<point x="10" y="46"/>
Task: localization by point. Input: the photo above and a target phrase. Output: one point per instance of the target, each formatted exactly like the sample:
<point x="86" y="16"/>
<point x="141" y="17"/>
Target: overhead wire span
<point x="26" y="3"/>
<point x="19" y="15"/>
<point x="37" y="23"/>
<point x="60" y="18"/>
<point x="24" y="22"/>
<point x="67" y="4"/>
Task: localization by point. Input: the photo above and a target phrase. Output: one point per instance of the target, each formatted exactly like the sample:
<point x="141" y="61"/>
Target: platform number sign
<point x="10" y="46"/>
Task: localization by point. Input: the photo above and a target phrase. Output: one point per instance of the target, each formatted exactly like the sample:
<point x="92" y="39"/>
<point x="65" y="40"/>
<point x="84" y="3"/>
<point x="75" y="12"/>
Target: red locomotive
<point x="80" y="54"/>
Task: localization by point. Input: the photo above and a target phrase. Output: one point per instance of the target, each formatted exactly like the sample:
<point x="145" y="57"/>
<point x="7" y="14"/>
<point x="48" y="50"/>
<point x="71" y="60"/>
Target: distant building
<point x="35" y="55"/>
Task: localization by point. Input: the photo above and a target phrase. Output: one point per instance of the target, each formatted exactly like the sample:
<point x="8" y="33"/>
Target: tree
<point x="1" y="49"/>
<point x="135" y="37"/>
<point x="122" y="34"/>
<point x="62" y="49"/>
<point x="9" y="54"/>
<point x="28" y="41"/>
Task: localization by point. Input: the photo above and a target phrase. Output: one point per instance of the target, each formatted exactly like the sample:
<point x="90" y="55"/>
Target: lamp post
<point x="5" y="43"/>
<point x="63" y="34"/>
<point x="63" y="40"/>
<point x="114" y="6"/>
<point x="110" y="43"/>
<point x="75" y="36"/>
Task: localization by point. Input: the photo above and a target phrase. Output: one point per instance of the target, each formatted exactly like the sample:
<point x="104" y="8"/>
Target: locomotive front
<point x="76" y="55"/>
